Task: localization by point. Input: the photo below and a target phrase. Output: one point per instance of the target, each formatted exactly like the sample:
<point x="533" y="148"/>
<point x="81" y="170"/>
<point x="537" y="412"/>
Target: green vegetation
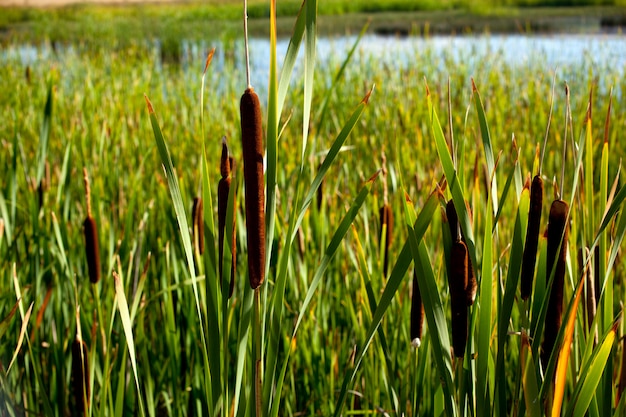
<point x="103" y="24"/>
<point x="330" y="329"/>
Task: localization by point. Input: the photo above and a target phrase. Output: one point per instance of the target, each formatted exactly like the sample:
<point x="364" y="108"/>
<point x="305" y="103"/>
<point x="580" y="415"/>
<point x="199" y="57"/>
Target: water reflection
<point x="595" y="53"/>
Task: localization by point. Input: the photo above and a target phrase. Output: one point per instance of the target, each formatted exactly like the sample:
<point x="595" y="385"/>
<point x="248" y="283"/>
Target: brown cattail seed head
<point x="457" y="282"/>
<point x="252" y="145"/>
<point x="556" y="256"/>
<point x="386" y="222"/>
<point x="80" y="378"/>
<point x="90" y="230"/>
<point x="529" y="259"/>
<point x="92" y="249"/>
<point x="223" y="191"/>
<point x="197" y="214"/>
<point x="224" y="160"/>
<point x="453" y="223"/>
<point x="417" y="314"/>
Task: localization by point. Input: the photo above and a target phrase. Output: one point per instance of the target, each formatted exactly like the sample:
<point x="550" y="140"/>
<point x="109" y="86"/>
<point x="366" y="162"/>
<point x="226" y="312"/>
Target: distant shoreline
<point x="62" y="3"/>
<point x="70" y="20"/>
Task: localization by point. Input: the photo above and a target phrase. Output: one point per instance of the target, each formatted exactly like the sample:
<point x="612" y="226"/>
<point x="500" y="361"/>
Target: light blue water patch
<point x="594" y="53"/>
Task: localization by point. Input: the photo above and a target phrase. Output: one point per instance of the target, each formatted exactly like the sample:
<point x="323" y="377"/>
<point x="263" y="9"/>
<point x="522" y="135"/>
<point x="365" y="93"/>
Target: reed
<point x="417" y="314"/>
<point x="223" y="191"/>
<point x="556" y="257"/>
<point x="252" y="145"/>
<point x="90" y="231"/>
<point x="80" y="378"/>
<point x="529" y="257"/>
<point x="456" y="233"/>
<point x="457" y="282"/>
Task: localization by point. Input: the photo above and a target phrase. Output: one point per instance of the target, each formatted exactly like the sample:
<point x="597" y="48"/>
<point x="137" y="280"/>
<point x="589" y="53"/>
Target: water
<point x="596" y="53"/>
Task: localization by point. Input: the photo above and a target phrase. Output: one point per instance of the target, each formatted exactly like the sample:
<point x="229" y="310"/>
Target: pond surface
<point x="595" y="53"/>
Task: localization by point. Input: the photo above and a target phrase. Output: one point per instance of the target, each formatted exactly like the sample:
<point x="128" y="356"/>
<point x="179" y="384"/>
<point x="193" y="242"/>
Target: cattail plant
<point x="557" y="252"/>
<point x="90" y="230"/>
<point x="529" y="256"/>
<point x="80" y="378"/>
<point x="197" y="216"/>
<point x="456" y="233"/>
<point x="457" y="282"/>
<point x="252" y="145"/>
<point x="223" y="191"/>
<point x="386" y="220"/>
<point x="417" y="314"/>
<point x="558" y="232"/>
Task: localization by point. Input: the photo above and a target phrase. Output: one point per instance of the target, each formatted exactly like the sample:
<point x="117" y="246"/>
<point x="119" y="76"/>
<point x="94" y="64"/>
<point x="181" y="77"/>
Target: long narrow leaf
<point x="564" y="354"/>
<point x="122" y="306"/>
<point x="333" y="246"/>
<point x="395" y="279"/>
<point x="591" y="375"/>
<point x="488" y="147"/>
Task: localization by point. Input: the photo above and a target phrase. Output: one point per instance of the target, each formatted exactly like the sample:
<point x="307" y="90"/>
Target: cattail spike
<point x="223" y="191"/>
<point x="90" y="231"/>
<point x="556" y="257"/>
<point x="457" y="234"/>
<point x="457" y="282"/>
<point x="417" y="314"/>
<point x="529" y="257"/>
<point x="252" y="144"/>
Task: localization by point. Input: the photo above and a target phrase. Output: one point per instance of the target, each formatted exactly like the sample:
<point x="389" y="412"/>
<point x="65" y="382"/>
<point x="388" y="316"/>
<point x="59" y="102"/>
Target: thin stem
<point x="245" y="40"/>
<point x="87" y="191"/>
<point x="567" y="118"/>
<point x="258" y="386"/>
<point x="545" y="138"/>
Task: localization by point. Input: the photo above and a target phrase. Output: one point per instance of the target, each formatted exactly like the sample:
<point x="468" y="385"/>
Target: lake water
<point x="596" y="53"/>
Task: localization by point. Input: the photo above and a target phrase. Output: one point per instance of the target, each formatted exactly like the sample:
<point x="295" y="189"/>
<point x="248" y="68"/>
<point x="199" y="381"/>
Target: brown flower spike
<point x="252" y="145"/>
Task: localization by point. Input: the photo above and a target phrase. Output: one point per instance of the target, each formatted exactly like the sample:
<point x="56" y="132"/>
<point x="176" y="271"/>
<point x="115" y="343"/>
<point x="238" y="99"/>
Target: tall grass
<point x="329" y="332"/>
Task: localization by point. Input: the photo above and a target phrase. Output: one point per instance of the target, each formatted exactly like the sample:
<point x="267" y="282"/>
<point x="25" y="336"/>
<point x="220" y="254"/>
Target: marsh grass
<point x="161" y="335"/>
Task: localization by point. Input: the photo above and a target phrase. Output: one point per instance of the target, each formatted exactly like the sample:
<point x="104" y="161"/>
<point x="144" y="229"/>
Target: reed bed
<point x="336" y="326"/>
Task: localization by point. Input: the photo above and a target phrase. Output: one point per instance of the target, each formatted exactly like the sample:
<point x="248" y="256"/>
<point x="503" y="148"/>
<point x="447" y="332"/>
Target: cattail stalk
<point x="90" y="230"/>
<point x="453" y="223"/>
<point x="417" y="314"/>
<point x="457" y="282"/>
<point x="80" y="378"/>
<point x="556" y="256"/>
<point x="529" y="257"/>
<point x="252" y="144"/>
<point x="223" y="191"/>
